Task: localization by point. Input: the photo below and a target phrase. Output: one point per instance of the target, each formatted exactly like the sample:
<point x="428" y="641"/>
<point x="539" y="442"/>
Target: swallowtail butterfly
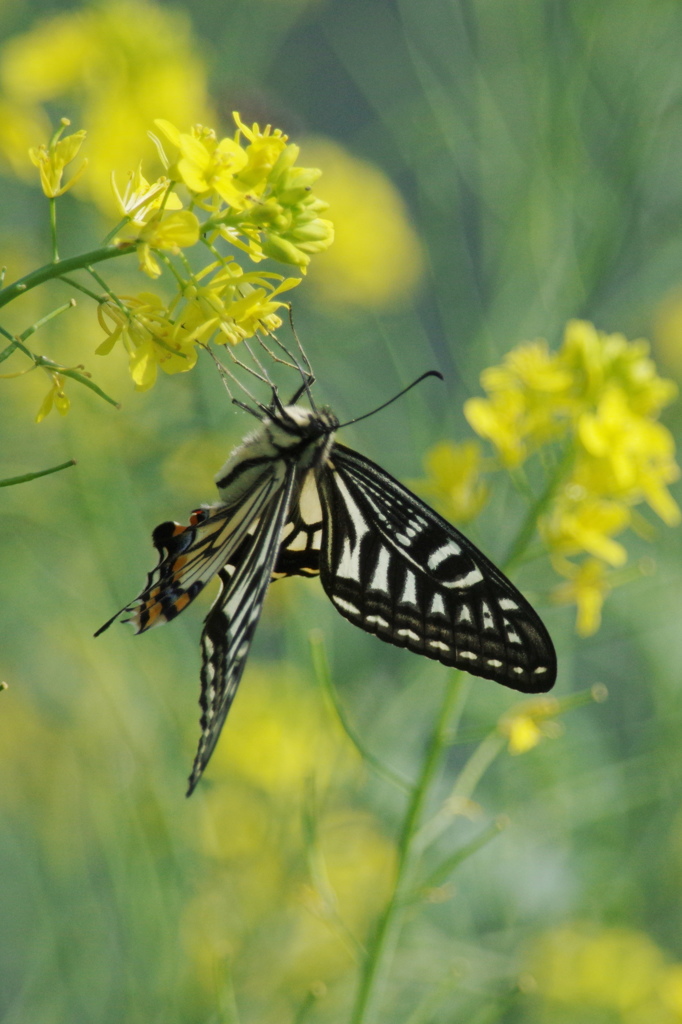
<point x="293" y="501"/>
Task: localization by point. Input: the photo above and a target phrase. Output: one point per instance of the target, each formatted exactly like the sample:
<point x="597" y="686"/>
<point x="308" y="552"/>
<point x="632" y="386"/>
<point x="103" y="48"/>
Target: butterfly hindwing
<point x="394" y="567"/>
<point x="232" y="620"/>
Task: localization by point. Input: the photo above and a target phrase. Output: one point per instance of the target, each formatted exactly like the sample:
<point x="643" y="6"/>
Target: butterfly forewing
<point x="394" y="567"/>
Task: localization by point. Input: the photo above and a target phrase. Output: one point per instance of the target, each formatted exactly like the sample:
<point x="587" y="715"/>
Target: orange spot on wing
<point x="154" y="613"/>
<point x="179" y="528"/>
<point x="181" y="602"/>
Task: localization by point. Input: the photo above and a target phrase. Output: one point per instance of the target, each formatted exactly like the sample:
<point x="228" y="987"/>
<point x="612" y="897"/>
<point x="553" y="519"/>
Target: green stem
<point x="10" y="481"/>
<point x="53" y="229"/>
<point x="45" y="319"/>
<point x="81" y="288"/>
<point x="467" y="780"/>
<point x="535" y="510"/>
<point x="440" y="874"/>
<point x="383" y="943"/>
<point x="106" y="289"/>
<point x="53" y="270"/>
<point x="323" y="676"/>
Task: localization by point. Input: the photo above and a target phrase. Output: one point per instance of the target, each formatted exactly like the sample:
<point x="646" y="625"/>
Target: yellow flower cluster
<point x="591" y="408"/>
<point x="257" y="200"/>
<point x="249" y="193"/>
<point x="600" y="396"/>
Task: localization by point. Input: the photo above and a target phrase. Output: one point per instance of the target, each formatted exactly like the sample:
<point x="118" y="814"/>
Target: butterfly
<point x="294" y="501"/>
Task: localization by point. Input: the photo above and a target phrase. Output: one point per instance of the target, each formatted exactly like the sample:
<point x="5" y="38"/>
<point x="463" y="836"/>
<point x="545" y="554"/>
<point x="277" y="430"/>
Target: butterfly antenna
<point x="225" y="374"/>
<point x="429" y="373"/>
<point x="306" y="374"/>
<point x="308" y="377"/>
<point x="228" y="375"/>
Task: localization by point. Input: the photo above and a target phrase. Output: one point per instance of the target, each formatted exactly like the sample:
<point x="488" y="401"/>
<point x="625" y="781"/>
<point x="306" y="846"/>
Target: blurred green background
<point x="494" y="167"/>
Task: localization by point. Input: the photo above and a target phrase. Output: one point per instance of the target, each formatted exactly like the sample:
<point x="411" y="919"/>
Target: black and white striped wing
<point x="394" y="567"/>
<point x="232" y="620"/>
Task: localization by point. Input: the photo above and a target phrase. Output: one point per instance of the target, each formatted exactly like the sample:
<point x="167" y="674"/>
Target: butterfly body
<point x="296" y="502"/>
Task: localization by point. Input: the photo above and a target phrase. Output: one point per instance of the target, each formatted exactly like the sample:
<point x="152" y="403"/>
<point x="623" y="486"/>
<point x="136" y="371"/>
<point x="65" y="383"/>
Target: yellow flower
<point x="587" y="588"/>
<point x="454" y="481"/>
<point x="205" y="164"/>
<point x="596" y="360"/>
<point x="54" y="399"/>
<point x="578" y="522"/>
<point x="52" y="159"/>
<point x="164" y="231"/>
<point x="264" y="150"/>
<point x="531" y="367"/>
<point x="140" y="198"/>
<point x="634" y="455"/>
<point x="528" y="723"/>
<point x="150" y="337"/>
<point x="502" y="420"/>
<point x="233" y="303"/>
<point x="529" y="402"/>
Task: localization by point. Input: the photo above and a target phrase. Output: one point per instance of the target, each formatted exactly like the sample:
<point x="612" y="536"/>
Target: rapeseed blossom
<point x="53" y="158"/>
<point x="525" y="725"/>
<point x="247" y="191"/>
<point x="589" y="410"/>
<point x="55" y="398"/>
<point x="257" y="196"/>
<point x="152" y="340"/>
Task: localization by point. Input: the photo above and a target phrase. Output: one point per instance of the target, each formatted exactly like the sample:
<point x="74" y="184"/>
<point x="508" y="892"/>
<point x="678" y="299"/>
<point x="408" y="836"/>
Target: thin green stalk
<point x="530" y="523"/>
<point x="323" y="676"/>
<point x="441" y="873"/>
<point x="45" y="319"/>
<point x="10" y="481"/>
<point x="114" y="231"/>
<point x="383" y="943"/>
<point x="54" y="270"/>
<point x="105" y="287"/>
<point x="12" y="347"/>
<point x="467" y="780"/>
<point x="81" y="288"/>
<point x="53" y="229"/>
